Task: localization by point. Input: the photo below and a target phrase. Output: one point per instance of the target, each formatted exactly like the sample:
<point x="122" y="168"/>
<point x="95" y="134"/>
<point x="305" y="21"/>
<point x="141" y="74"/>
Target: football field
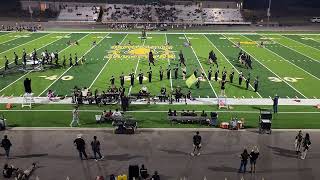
<point x="287" y="64"/>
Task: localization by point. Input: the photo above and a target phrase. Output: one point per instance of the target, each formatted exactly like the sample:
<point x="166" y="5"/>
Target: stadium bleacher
<point x="79" y="13"/>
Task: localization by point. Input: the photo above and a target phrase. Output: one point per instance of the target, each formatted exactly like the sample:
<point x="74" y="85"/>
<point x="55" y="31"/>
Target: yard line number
<point x="54" y="77"/>
<point x="289" y="79"/>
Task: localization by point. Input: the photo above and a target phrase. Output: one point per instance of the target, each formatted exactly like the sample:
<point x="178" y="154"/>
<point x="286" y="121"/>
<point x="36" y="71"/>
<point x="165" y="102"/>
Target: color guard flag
<point x="191" y="80"/>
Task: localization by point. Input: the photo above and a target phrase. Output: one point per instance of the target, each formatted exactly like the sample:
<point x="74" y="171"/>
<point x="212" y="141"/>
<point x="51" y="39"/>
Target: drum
<point x="224" y="125"/>
<point x="240" y="125"/>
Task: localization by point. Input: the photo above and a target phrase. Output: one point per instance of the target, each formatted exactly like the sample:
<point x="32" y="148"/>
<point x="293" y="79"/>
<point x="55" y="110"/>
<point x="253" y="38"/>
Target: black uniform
<point x="231" y="77"/>
<point x="16" y="58"/>
<point x="150" y="75"/>
<point x="64" y="63"/>
<point x="209" y="74"/>
<point x="161" y="74"/>
<point x="76" y="60"/>
<point x="24" y="58"/>
<point x="195" y="73"/>
<point x="240" y="79"/>
<point x="216" y="75"/>
<point x="151" y="59"/>
<point x="132" y="78"/>
<point x="140" y="78"/>
<point x="223" y="85"/>
<point x="112" y="80"/>
<point x="122" y="80"/>
<point x="256" y="85"/>
<point x="182" y="60"/>
<point x="247" y="82"/>
<point x="6" y="65"/>
<point x="176" y="72"/>
<point x="224" y="76"/>
<point x="70" y="61"/>
<point x="168" y="72"/>
<point x="56" y="56"/>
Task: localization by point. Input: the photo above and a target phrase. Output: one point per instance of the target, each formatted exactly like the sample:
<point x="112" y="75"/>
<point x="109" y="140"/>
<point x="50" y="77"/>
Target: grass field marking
<point x="201" y="67"/>
<point x="169" y="62"/>
<point x="228" y="61"/>
<point x="69" y="67"/>
<point x="268" y="68"/>
<point x="290" y="61"/>
<point x="302" y="45"/>
<point x="10" y="39"/>
<point x="31" y="70"/>
<point x="39" y="48"/>
<point x="105" y="65"/>
<point x="26" y="43"/>
<point x="297" y="51"/>
<point x="135" y="71"/>
<point x="313" y="39"/>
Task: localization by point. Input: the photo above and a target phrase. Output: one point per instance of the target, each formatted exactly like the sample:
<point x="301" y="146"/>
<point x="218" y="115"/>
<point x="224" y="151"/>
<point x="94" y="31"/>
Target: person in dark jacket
<point x="95" y="144"/>
<point x="6" y="144"/>
<point x="143" y="172"/>
<point x="81" y="146"/>
<point x="155" y="176"/>
<point x="253" y="158"/>
<point x="306" y="145"/>
<point x="244" y="160"/>
<point x="196" y="144"/>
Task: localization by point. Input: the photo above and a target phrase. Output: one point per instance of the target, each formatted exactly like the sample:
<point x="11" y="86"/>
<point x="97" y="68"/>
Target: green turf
<point x="286" y="56"/>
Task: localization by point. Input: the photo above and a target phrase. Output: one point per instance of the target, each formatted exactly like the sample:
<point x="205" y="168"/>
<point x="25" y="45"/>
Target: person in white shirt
<point x="75" y="117"/>
<point x="116" y="113"/>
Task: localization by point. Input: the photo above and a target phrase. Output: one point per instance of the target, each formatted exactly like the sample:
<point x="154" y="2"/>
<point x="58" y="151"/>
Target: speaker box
<point x="133" y="172"/>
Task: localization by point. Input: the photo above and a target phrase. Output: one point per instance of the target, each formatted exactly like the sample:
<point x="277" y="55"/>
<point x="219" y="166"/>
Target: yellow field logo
<point x="248" y="42"/>
<point x="131" y="51"/>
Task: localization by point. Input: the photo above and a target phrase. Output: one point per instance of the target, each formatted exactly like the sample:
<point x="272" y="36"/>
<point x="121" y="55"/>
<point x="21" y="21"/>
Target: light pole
<point x="268" y="12"/>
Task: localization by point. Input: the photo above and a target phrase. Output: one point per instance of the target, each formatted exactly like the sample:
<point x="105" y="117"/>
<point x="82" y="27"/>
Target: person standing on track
<point x="81" y="146"/>
<point x="6" y="145"/>
<point x="306" y="145"/>
<point x="196" y="144"/>
<point x="298" y="142"/>
<point x="95" y="145"/>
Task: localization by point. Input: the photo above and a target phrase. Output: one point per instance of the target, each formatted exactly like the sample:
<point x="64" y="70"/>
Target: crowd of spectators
<point x="20" y="28"/>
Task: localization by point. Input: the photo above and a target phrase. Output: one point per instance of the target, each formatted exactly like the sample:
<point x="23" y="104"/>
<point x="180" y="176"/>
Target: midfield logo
<point x="128" y="52"/>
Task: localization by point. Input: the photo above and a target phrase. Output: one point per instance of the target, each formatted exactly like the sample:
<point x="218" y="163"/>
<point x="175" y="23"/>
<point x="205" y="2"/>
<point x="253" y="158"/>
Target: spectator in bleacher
<point x="116" y="113"/>
<point x="143" y="172"/>
<point x="95" y="145"/>
<point x="155" y="176"/>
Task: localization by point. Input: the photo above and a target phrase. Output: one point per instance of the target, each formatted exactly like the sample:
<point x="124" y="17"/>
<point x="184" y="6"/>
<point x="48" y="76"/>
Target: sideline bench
<point x="188" y="119"/>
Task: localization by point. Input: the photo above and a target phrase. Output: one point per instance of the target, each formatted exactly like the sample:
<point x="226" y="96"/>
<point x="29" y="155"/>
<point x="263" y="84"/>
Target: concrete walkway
<point x="167" y="151"/>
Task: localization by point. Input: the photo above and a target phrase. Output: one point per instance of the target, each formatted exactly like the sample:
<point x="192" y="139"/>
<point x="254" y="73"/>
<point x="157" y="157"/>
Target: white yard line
<point x="11" y="39"/>
<point x="169" y="64"/>
<point x="104" y="66"/>
<point x="135" y="71"/>
<point x="282" y="35"/>
<point x="295" y="49"/>
<point x="268" y="68"/>
<point x="202" y="68"/>
<point x="291" y="62"/>
<point x="69" y="67"/>
<point x="31" y="70"/>
<point x="229" y="61"/>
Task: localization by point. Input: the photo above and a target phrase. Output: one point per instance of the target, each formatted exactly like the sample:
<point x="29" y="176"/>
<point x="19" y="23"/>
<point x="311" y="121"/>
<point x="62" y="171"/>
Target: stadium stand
<point x="79" y="13"/>
<point x="221" y="15"/>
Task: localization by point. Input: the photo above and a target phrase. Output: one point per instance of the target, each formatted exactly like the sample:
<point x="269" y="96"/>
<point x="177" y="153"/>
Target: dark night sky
<point x="279" y="4"/>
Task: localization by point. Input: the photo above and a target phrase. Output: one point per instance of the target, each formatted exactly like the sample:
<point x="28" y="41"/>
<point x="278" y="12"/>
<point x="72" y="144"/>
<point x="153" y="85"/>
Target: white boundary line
<point x="303" y="45"/>
<point x="104" y="66"/>
<point x="169" y="64"/>
<point x="24" y="44"/>
<point x="291" y="62"/>
<point x="236" y="32"/>
<point x="87" y="110"/>
<point x="202" y="67"/>
<point x="135" y="71"/>
<point x="31" y="70"/>
<point x="315" y="40"/>
<point x="303" y="54"/>
<point x="267" y="67"/>
<point x="228" y="61"/>
<point x="69" y="67"/>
